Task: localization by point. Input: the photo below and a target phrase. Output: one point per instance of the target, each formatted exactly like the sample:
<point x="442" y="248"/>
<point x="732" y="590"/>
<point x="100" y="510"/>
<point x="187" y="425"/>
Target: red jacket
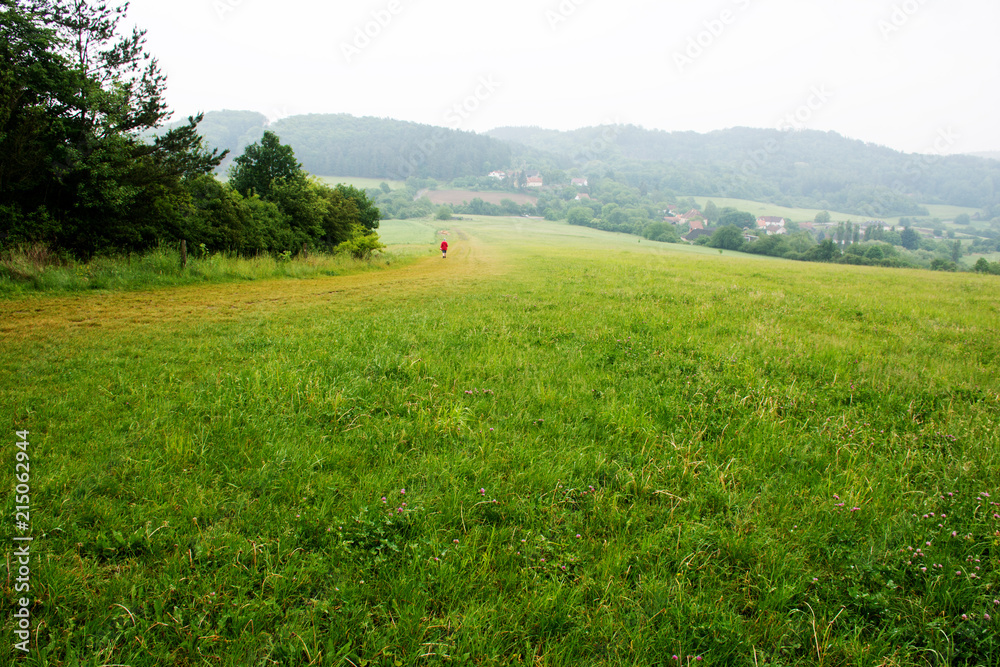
<point x="444" y="246"/>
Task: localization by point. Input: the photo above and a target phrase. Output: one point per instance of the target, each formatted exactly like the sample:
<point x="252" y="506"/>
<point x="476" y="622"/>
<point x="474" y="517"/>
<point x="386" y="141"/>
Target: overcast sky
<point x="915" y="75"/>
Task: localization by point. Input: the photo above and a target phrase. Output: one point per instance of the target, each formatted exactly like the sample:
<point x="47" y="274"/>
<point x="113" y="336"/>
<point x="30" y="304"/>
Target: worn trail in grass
<point x="555" y="447"/>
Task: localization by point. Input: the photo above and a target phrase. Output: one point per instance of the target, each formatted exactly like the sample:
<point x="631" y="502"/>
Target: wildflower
<point x="958" y="573"/>
<point x="384" y="501"/>
<point x="986" y="617"/>
<point x="482" y="492"/>
<point x="965" y="617"/>
<point x="578" y="536"/>
<point x="455" y="541"/>
<point x="402" y="492"/>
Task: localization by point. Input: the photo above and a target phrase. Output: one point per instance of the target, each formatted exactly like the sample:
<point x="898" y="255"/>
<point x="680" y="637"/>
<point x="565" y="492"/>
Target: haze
<point x="915" y="76"/>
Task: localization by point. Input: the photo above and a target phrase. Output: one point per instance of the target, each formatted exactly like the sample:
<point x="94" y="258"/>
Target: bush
<point x="362" y="246"/>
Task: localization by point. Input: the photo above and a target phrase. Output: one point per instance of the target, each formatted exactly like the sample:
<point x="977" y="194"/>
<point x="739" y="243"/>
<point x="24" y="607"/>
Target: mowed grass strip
<point x="556" y="446"/>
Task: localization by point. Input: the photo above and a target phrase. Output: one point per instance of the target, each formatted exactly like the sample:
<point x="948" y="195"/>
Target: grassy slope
<point x="360" y="182"/>
<point x="945" y="213"/>
<point x="612" y="452"/>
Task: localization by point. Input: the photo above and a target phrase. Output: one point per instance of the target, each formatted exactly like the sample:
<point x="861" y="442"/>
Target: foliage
<point x="75" y="93"/>
<point x="732" y="217"/>
<point x="729" y="237"/>
<point x="361" y="245"/>
<point x="261" y="164"/>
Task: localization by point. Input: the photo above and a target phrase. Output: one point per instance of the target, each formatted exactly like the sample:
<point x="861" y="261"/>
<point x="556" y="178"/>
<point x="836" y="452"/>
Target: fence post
<point x="184" y="253"/>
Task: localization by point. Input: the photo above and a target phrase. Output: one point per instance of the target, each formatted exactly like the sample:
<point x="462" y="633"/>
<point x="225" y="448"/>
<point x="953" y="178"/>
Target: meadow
<point x="556" y="447"/>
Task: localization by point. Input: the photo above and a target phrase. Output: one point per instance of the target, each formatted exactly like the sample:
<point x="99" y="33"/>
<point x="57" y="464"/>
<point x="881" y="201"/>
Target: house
<point x="535" y="181"/>
<point x="693" y="214"/>
<point x="695" y="234"/>
<point x="765" y="221"/>
<point x="581" y="196"/>
<point x="580" y="182"/>
<point x="695" y="223"/>
<point x="499" y="175"/>
<point x="776" y="229"/>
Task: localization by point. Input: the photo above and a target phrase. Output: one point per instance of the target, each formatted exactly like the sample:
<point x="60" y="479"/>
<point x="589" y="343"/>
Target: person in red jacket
<point x="444" y="249"/>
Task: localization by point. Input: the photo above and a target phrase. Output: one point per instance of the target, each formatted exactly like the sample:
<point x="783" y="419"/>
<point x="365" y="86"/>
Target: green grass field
<point x="945" y="213"/>
<point x="360" y="182"/>
<point x="555" y="447"/>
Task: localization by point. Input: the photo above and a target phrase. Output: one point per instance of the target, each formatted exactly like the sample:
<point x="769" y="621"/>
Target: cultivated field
<point x="556" y="447"/>
<point x="466" y="196"/>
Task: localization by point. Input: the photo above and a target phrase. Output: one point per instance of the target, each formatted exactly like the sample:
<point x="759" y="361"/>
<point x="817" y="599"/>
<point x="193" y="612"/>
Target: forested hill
<point x="795" y="168"/>
<point x="799" y="167"/>
<point x="344" y="145"/>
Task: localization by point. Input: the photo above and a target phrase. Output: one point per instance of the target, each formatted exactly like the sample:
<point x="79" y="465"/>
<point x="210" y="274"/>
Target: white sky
<point x="901" y="73"/>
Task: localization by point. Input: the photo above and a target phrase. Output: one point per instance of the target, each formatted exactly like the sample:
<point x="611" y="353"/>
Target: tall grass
<point x="36" y="269"/>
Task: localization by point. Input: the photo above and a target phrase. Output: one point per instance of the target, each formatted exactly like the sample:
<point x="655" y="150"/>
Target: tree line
<point x="83" y="171"/>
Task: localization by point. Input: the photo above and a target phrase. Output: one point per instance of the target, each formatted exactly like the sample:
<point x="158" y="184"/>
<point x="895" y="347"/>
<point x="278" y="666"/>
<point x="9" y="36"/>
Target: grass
<point x="361" y="182"/>
<point x="556" y="447"/>
<point x="945" y="213"/>
<point x="32" y="270"/>
<point x="761" y="208"/>
<point x="949" y="213"/>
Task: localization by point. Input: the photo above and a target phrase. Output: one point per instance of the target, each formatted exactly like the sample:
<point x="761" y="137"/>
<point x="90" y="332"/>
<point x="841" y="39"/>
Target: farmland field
<point x="466" y="196"/>
<point x="556" y="447"/>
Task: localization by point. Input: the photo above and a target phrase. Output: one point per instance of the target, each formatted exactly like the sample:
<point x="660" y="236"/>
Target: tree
<point x="963" y="219"/>
<point x="368" y="214"/>
<point x="982" y="266"/>
<point x="956" y="251"/>
<point x="730" y="216"/>
<point x="729" y="237"/>
<point x="443" y="213"/>
<point x="263" y="163"/>
<point x="579" y="215"/>
<point x="75" y="95"/>
<point x="711" y="212"/>
<point x="823" y="217"/>
<point x="910" y="238"/>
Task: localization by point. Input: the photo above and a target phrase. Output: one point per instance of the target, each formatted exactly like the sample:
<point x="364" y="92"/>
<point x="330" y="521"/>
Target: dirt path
<point x="42" y="317"/>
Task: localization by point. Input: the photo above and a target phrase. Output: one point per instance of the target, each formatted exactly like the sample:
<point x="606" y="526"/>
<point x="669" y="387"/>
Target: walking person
<point x="444" y="249"/>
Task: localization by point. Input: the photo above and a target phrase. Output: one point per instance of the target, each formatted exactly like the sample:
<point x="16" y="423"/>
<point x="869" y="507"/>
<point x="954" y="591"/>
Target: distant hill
<point x="344" y="145"/>
<point x="799" y="168"/>
<point x="808" y="169"/>
<point x="989" y="155"/>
